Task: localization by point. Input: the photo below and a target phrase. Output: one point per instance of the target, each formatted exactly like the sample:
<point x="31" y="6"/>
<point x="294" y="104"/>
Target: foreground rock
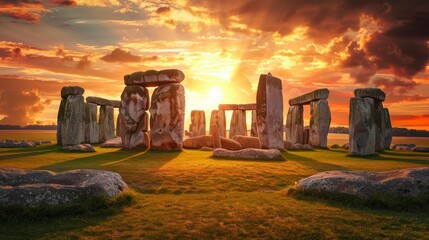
<point x="32" y="188"/>
<point x="78" y="148"/>
<point x="248" y="153"/>
<point x="112" y="143"/>
<point x="207" y="141"/>
<point x="269" y="112"/>
<point x="396" y="146"/>
<point x="17" y="144"/>
<point x="399" y="183"/>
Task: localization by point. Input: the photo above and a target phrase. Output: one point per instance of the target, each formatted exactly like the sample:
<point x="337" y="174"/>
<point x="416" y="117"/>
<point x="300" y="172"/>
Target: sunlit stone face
<point x="134" y="102"/>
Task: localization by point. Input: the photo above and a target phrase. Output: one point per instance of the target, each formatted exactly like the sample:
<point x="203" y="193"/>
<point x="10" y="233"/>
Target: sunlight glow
<point x="215" y="96"/>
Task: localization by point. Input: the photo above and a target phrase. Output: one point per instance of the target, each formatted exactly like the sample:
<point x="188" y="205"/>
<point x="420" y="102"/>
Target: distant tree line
<point x="29" y="127"/>
<point x="399" y="132"/>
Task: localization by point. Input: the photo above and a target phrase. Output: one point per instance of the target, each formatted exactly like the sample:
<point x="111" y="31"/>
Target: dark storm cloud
<point x="389" y="85"/>
<point x="162" y="10"/>
<point x="64" y="3"/>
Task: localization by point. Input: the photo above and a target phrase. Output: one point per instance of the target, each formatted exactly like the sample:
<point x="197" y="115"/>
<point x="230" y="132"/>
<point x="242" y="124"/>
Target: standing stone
<point x="254" y="126"/>
<point x="120" y="126"/>
<point x="380" y="128"/>
<point x="216" y="137"/>
<point x="388" y="126"/>
<point x="218" y="117"/>
<point x="106" y="123"/>
<point x="320" y="122"/>
<point x="60" y="119"/>
<point x="269" y="111"/>
<point x="198" y="123"/>
<point x="295" y="124"/>
<point x="133" y="118"/>
<point x="306" y="135"/>
<point x="167" y="112"/>
<point x="91" y="125"/>
<point x="361" y="126"/>
<point x="73" y="125"/>
<point x="238" y="123"/>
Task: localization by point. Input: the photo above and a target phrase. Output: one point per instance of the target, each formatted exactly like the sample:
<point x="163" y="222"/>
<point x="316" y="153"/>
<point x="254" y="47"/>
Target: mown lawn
<point x="190" y="195"/>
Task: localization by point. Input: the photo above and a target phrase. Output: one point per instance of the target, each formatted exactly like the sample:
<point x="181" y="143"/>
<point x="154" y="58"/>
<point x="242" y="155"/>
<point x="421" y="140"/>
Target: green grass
<point x="190" y="195"/>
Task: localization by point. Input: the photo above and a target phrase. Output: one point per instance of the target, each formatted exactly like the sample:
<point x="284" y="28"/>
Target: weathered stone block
<point x="167" y="117"/>
<point x="254" y="125"/>
<point x="311" y="96"/>
<point x="60" y="119"/>
<point x="71" y="90"/>
<point x="295" y="124"/>
<point x="388" y="126"/>
<point x="269" y="111"/>
<point x="73" y="125"/>
<point x="198" y="123"/>
<point x="218" y="117"/>
<point x="361" y="126"/>
<point x="154" y="78"/>
<point x="238" y="123"/>
<point x="376" y="93"/>
<point x="320" y="121"/>
<point x="91" y="125"/>
<point x="106" y="123"/>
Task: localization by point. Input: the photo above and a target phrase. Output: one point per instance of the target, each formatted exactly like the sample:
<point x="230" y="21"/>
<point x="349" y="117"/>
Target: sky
<point x="222" y="46"/>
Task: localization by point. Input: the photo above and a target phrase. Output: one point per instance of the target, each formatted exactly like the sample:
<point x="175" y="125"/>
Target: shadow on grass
<point x="384" y="157"/>
<point x="377" y="202"/>
<point x="21" y="154"/>
<point x="31" y="222"/>
<point x="314" y="164"/>
<point x="277" y="160"/>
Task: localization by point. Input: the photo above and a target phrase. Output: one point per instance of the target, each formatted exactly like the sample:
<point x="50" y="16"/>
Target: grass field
<point x="190" y="195"/>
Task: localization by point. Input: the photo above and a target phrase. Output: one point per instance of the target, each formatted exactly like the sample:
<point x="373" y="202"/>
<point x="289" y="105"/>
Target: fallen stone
<point x="92" y="133"/>
<point x="153" y="78"/>
<point x="311" y="96"/>
<point x="218" y="117"/>
<point x="295" y="124"/>
<point x="207" y="141"/>
<point x="247" y="142"/>
<point x="320" y="121"/>
<point x="16" y="144"/>
<point x="106" y="123"/>
<point x="248" y="153"/>
<point x="238" y="123"/>
<point x="71" y="90"/>
<point x="167" y="117"/>
<point x="361" y="129"/>
<point x="420" y="149"/>
<point x="269" y="111"/>
<point x="376" y="93"/>
<point x="198" y="123"/>
<point x="395" y="146"/>
<point x="34" y="188"/>
<point x="79" y="148"/>
<point x="404" y="148"/>
<point x="410" y="182"/>
<point x="112" y="143"/>
<point x="335" y="146"/>
<point x="73" y="124"/>
<point x="206" y="149"/>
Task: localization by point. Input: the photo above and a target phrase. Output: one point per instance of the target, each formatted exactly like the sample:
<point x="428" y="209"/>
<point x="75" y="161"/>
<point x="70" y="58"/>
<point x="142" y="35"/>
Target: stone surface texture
<point x="254" y="125"/>
<point x="73" y="124"/>
<point x="153" y="78"/>
<point x="103" y="102"/>
<point x="238" y="123"/>
<point x="106" y="123"/>
<point x="388" y="128"/>
<point x="311" y="96"/>
<point x="112" y="143"/>
<point x="248" y="106"/>
<point x="398" y="183"/>
<point x="376" y="93"/>
<point x="71" y="90"/>
<point x="92" y="134"/>
<point x="198" y="123"/>
<point x="215" y="136"/>
<point x="167" y="117"/>
<point x="218" y="117"/>
<point x="248" y="142"/>
<point x="207" y="141"/>
<point x="320" y="121"/>
<point x="248" y="153"/>
<point x="361" y="126"/>
<point x="295" y="124"/>
<point x="86" y="147"/>
<point x="60" y="120"/>
<point x="379" y="124"/>
<point x="34" y="188"/>
<point x="269" y="111"/>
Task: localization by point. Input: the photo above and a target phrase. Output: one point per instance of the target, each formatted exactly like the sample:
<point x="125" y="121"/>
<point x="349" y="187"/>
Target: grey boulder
<point x="248" y="153"/>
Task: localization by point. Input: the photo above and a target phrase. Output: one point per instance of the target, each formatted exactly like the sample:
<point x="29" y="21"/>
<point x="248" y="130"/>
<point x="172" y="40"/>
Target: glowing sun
<point x="215" y="96"/>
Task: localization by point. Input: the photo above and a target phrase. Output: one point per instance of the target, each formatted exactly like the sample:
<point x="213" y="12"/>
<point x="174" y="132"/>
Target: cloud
<point x="163" y="10"/>
<point x="26" y="10"/>
<point x="63" y="3"/>
<point x="119" y="55"/>
<point x="395" y="84"/>
<point x="20" y="107"/>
